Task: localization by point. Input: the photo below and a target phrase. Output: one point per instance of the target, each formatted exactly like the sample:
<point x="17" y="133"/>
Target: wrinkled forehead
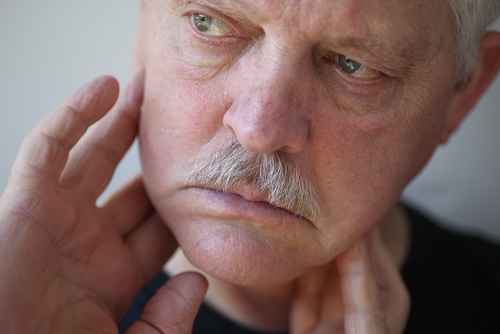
<point x="317" y="17"/>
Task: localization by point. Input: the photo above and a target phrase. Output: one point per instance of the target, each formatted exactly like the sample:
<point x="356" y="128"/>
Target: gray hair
<point x="272" y="175"/>
<point x="472" y="18"/>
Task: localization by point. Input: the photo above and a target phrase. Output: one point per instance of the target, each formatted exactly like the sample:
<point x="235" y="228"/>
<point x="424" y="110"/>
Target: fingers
<point x="332" y="313"/>
<point x="395" y="297"/>
<point x="128" y="205"/>
<point x="173" y="308"/>
<point x="93" y="161"/>
<point x="363" y="293"/>
<point x="363" y="311"/>
<point x="45" y="149"/>
<point x="132" y="216"/>
<point x="382" y="265"/>
<point x="153" y="244"/>
<point x="306" y="305"/>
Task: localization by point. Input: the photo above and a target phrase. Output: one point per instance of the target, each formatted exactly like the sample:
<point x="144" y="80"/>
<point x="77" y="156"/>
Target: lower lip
<point x="232" y="206"/>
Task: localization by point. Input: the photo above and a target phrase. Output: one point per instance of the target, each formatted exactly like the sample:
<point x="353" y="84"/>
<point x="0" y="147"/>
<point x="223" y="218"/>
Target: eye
<point x="354" y="68"/>
<point x="211" y="26"/>
<point x="348" y="65"/>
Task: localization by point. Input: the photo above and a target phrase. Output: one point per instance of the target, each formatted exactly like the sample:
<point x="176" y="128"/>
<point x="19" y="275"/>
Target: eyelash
<point x="370" y="75"/>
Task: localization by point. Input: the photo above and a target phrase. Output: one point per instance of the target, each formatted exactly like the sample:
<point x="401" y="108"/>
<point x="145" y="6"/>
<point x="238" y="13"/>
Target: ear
<point x="464" y="99"/>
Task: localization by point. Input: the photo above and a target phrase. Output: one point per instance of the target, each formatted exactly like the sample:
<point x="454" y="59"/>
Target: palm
<point x="84" y="250"/>
<point x="76" y="260"/>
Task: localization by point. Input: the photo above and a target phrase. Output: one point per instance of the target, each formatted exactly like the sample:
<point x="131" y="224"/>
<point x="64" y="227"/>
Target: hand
<point x="362" y="292"/>
<point x="68" y="265"/>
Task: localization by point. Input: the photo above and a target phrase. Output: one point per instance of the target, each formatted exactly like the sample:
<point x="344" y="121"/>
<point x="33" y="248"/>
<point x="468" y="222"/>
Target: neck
<point x="267" y="308"/>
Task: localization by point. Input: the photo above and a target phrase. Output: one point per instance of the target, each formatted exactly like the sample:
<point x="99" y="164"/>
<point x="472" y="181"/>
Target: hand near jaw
<point x="69" y="266"/>
<point x="361" y="292"/>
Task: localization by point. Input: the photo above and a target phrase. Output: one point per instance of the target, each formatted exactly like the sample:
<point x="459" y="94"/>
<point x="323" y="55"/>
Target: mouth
<point x="245" y="202"/>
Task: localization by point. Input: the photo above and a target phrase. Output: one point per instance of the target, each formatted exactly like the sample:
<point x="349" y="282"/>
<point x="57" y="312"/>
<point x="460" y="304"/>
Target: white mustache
<point x="272" y="175"/>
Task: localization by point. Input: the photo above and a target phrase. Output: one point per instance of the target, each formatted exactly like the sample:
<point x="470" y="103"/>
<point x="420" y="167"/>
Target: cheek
<point x="360" y="181"/>
<point x="179" y="117"/>
<point x="363" y="162"/>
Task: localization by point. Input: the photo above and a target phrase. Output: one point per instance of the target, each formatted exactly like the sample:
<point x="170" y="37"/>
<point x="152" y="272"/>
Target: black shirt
<point x="453" y="279"/>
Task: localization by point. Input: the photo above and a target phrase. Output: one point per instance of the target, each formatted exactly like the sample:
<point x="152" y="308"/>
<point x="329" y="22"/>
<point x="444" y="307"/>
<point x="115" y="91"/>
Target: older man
<point x="276" y="138"/>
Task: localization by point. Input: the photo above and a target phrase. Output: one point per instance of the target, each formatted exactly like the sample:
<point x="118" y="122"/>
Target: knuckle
<point x="77" y="113"/>
<point x="51" y="152"/>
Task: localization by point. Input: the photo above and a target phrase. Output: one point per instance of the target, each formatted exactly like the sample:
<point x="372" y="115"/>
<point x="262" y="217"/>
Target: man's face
<point x="285" y="76"/>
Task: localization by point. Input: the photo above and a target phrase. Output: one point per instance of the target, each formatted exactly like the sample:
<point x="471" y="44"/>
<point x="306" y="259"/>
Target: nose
<point x="268" y="111"/>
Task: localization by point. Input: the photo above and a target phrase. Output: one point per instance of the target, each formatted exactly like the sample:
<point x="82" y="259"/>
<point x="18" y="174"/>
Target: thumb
<point x="174" y="306"/>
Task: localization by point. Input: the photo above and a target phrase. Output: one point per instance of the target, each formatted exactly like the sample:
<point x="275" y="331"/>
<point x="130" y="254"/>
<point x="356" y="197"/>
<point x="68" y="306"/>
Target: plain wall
<point x="50" y="48"/>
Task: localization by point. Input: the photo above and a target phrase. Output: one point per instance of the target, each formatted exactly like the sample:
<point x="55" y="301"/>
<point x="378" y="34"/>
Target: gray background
<point x="50" y="48"/>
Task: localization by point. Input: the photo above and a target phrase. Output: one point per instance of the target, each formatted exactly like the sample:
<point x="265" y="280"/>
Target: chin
<point x="242" y="242"/>
<point x="241" y="256"/>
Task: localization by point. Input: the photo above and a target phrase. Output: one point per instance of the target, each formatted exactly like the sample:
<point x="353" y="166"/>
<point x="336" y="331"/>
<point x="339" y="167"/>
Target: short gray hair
<point x="472" y="18"/>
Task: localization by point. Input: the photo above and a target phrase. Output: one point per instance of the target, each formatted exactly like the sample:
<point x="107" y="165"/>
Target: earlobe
<point x="464" y="99"/>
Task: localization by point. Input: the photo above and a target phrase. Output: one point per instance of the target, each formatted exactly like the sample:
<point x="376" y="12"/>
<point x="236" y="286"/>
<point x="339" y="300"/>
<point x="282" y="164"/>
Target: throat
<point x="259" y="308"/>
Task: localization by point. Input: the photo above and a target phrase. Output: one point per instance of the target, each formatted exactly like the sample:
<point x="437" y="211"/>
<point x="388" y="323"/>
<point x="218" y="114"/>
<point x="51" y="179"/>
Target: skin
<point x="69" y="265"/>
<point x="270" y="84"/>
<point x="272" y="87"/>
<point x="359" y="141"/>
<point x="72" y="266"/>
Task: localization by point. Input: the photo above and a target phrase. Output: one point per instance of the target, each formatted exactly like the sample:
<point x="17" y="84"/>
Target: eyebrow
<point x="222" y="4"/>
